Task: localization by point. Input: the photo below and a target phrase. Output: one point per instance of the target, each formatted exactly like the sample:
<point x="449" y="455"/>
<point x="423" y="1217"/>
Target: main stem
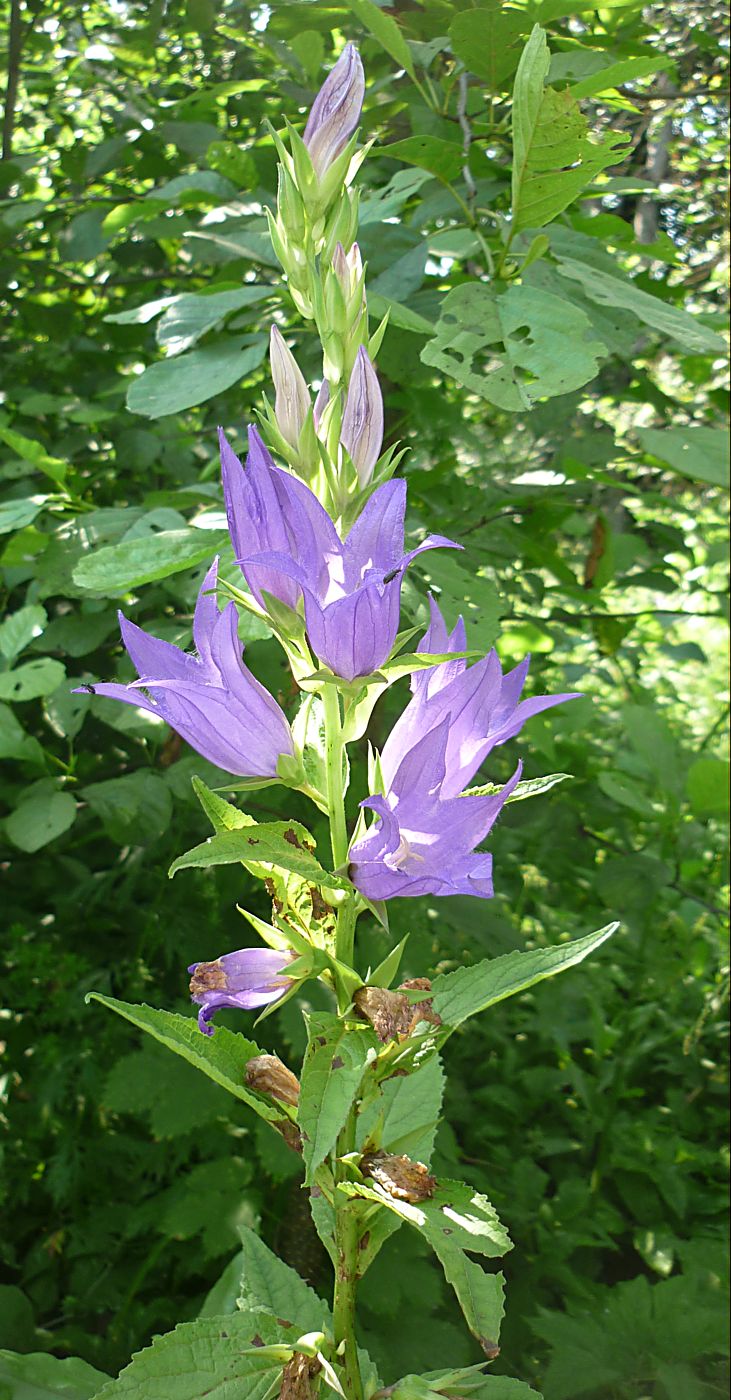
<point x="346" y="1219"/>
<point x="346" y="1274"/>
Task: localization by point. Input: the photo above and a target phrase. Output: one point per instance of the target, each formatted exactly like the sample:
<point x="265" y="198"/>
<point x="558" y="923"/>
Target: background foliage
<point x="571" y="433"/>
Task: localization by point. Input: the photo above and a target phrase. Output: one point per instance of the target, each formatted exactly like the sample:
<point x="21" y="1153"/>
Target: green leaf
<point x="189" y="316"/>
<point x="622" y="790"/>
<point x="170" y="386"/>
<point x="532" y="787"/>
<point x="269" y="1285"/>
<point x="286" y="845"/>
<point x="225" y="1357"/>
<point x="696" y="452"/>
<point x="118" y="568"/>
<point x="335" y="1061"/>
<point x="707" y="786"/>
<point x="481" y="1296"/>
<point x="460" y="994"/>
<point x="626" y="70"/>
<point x="553" y="158"/>
<point x="441" y="158"/>
<point x="35" y="453"/>
<point x="403" y="1117"/>
<point x="14" y="515"/>
<point x="19" y="628"/>
<point x="385" y="30"/>
<point x="40" y="820"/>
<point x="537" y="345"/>
<point x="223" y="1056"/>
<point x="456" y="1217"/>
<point x="30" y="680"/>
<point x="14" y="742"/>
<point x="486" y="42"/>
<point x="672" y="321"/>
<point x="38" y="1376"/>
<point x="398" y="315"/>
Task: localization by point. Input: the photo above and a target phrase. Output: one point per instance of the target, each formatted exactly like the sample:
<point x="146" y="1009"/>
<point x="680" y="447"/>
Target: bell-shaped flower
<point x="335" y="112"/>
<point x="287" y="545"/>
<point x="362" y="429"/>
<point x="482" y="705"/>
<point x="292" y="399"/>
<point x="211" y="699"/>
<point x="245" y="980"/>
<point x="424" y="841"/>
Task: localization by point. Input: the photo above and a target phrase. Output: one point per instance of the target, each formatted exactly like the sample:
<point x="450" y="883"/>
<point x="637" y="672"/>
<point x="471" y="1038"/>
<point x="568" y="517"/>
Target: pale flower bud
<point x="321" y="402"/>
<point x="292" y="399"/>
<point x="362" y="430"/>
<point x="348" y="268"/>
<point x="335" y="112"/>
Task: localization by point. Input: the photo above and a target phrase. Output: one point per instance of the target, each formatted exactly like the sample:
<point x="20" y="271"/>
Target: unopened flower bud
<point x="401" y="1178"/>
<point x="268" y="1075"/>
<point x="348" y="268"/>
<point x="321" y="402"/>
<point x="335" y="112"/>
<point x="292" y="400"/>
<point x="362" y="430"/>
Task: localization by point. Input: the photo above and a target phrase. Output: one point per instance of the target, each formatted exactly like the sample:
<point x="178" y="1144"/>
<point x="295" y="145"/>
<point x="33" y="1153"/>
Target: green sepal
<point x="383" y="975"/>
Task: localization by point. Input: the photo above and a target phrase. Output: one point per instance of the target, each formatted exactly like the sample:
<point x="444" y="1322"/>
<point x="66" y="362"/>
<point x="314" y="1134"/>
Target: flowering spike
<point x="335" y="112"/>
<point x="362" y="430"/>
<point x="246" y="979"/>
<point x="292" y="400"/>
<point x="211" y="699"/>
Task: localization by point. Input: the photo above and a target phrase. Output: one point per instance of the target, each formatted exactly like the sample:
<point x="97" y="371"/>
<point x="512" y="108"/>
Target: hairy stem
<point x="346" y="1276"/>
<point x="334" y="774"/>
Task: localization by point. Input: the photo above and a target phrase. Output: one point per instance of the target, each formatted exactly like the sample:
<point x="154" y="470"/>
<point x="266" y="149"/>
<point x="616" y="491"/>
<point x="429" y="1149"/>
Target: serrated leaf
<point x="286" y="845"/>
<point x="461" y="994"/>
<point x="403" y="1117"/>
<point x="536" y="344"/>
<point x="225" y="1357"/>
<point x="485" y="40"/>
<point x="117" y="568"/>
<point x="481" y="1295"/>
<point x="223" y="1056"/>
<point x="553" y="158"/>
<point x="334" y="1064"/>
<point x="270" y="1285"/>
<point x="456" y="1216"/>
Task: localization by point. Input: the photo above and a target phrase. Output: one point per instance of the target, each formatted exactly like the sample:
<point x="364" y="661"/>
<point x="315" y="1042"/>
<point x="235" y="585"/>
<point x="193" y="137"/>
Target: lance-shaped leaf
<point x="481" y="1295"/>
<point x="458" y="995"/>
<point x="536" y="344"/>
<point x="335" y="1061"/>
<point x="223" y="1057"/>
<point x="211" y="1356"/>
<point x="553" y="158"/>
<point x="269" y="1285"/>
<point x="455" y="1217"/>
<point x="403" y="1116"/>
<point x="286" y="845"/>
<point x="601" y="287"/>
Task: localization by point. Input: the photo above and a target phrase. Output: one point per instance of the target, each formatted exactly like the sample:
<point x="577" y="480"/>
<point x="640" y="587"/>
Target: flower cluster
<point x="333" y="577"/>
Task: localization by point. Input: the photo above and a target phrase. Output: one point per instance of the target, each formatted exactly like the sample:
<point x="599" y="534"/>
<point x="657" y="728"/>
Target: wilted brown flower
<point x="268" y="1075"/>
<point x="399" y="1176"/>
<point x="391" y="1014"/>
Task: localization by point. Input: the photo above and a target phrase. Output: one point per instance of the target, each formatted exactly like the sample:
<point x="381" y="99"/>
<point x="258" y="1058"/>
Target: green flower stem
<point x="334" y="747"/>
<point x="346" y="1274"/>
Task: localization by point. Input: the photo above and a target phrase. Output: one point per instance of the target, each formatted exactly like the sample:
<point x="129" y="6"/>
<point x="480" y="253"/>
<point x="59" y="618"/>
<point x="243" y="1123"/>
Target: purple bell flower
<point x="335" y="112"/>
<point x="247" y="979"/>
<point x="287" y="545"/>
<point x="211" y="699"/>
<point x="424" y="842"/>
<point x="483" y="706"/>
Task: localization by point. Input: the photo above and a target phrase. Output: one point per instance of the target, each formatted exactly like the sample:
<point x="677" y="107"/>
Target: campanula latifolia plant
<point x="317" y="524"/>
